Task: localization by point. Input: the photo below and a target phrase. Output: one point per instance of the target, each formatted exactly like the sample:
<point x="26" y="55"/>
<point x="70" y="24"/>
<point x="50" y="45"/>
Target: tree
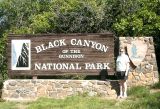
<point x="122" y="17"/>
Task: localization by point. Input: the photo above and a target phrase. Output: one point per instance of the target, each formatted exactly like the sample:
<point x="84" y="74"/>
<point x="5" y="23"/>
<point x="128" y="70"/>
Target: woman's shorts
<point x="121" y="75"/>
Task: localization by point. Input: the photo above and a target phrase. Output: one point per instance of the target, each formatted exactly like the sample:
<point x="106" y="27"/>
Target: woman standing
<point x="122" y="67"/>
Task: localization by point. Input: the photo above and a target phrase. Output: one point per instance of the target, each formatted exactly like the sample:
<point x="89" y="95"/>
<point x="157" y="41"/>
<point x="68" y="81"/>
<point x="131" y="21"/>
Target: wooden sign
<point x="57" y="54"/>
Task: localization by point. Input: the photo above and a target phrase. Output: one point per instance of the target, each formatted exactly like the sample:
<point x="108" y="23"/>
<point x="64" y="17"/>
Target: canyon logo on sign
<point x="21" y="55"/>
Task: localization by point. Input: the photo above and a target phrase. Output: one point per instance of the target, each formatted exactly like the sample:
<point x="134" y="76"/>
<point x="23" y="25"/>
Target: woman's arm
<point x="127" y="69"/>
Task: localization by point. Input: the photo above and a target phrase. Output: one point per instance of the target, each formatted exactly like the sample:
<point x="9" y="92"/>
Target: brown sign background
<point x="91" y="55"/>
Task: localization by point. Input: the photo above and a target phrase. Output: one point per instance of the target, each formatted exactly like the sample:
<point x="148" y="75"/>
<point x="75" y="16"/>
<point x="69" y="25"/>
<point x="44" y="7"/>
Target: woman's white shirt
<point x="121" y="62"/>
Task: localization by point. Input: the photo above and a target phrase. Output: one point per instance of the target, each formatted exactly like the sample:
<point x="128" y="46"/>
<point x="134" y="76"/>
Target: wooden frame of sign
<point x="58" y="54"/>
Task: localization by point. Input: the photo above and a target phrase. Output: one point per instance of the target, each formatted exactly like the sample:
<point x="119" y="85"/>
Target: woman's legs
<point x="125" y="88"/>
<point x="121" y="88"/>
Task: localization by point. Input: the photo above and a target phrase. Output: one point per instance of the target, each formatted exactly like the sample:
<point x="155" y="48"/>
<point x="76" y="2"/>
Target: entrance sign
<point x="57" y="54"/>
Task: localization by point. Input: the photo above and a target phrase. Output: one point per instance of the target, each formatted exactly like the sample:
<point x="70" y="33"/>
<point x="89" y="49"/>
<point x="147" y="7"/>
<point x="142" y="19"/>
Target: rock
<point x="58" y="85"/>
<point x="156" y="74"/>
<point x="84" y="83"/>
<point x="137" y="78"/>
<point x="148" y="58"/>
<point x="76" y="85"/>
<point x="63" y="82"/>
<point x="155" y="67"/>
<point x="53" y="94"/>
<point x="49" y="88"/>
<point x="12" y="83"/>
<point x="111" y="92"/>
<point x="102" y="93"/>
<point x="100" y="83"/>
<point x="151" y="47"/>
<point x="33" y="81"/>
<point x="128" y="38"/>
<point x="41" y="91"/>
<point x="61" y="94"/>
<point x="23" y="95"/>
<point x="93" y="82"/>
<point x="5" y="94"/>
<point x="66" y="86"/>
<point x="107" y="83"/>
<point x="122" y="38"/>
<point x="92" y="93"/>
<point x="151" y="41"/>
<point x="149" y="75"/>
<point x="14" y="95"/>
<point x="32" y="95"/>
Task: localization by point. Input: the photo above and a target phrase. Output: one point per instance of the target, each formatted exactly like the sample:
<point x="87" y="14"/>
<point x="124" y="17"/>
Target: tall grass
<point x="74" y="102"/>
<point x="141" y="98"/>
<point x="8" y="105"/>
<point x="156" y="85"/>
<point x="139" y="92"/>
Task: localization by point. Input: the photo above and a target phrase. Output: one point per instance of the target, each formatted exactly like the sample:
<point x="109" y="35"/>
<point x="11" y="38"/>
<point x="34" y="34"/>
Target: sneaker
<point x="125" y="96"/>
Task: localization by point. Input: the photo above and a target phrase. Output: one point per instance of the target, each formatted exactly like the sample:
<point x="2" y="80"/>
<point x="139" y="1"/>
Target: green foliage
<point x="139" y="91"/>
<point x="74" y="102"/>
<point x="122" y="17"/>
<point x="65" y="16"/>
<point x="130" y="26"/>
<point x="138" y="17"/>
<point x="85" y="17"/>
<point x="6" y="105"/>
<point x="142" y="99"/>
<point x="142" y="21"/>
<point x="156" y="85"/>
<point x="42" y="23"/>
<point x="3" y="59"/>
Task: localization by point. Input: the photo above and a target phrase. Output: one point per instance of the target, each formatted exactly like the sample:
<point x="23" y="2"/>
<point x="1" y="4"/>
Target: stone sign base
<point x="141" y="52"/>
<point x="30" y="89"/>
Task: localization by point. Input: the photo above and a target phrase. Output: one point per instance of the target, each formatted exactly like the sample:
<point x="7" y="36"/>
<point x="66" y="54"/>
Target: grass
<point x="8" y="105"/>
<point x="156" y="86"/>
<point x="139" y="98"/>
<point x="139" y="92"/>
<point x="74" y="102"/>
